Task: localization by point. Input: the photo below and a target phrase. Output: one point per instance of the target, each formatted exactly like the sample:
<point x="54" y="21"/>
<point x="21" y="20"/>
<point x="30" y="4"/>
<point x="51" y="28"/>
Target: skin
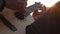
<point x="19" y="5"/>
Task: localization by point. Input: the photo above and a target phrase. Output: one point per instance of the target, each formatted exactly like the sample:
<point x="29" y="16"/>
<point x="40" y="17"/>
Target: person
<point x="11" y="7"/>
<point x="48" y="23"/>
<point x="44" y="8"/>
<point x="36" y="13"/>
<point x="18" y="5"/>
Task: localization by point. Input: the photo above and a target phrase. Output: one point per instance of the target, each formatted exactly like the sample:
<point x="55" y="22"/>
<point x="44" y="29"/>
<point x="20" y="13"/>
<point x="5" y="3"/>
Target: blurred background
<point x="47" y="3"/>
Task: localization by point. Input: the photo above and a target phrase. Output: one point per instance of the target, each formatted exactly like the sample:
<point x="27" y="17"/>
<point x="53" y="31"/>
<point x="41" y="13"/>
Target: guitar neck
<point x="31" y="8"/>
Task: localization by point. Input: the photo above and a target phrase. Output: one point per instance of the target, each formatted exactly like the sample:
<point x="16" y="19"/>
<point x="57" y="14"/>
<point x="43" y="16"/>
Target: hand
<point x="19" y="5"/>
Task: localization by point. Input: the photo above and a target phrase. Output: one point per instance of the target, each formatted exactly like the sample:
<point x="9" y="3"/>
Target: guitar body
<point x="19" y="24"/>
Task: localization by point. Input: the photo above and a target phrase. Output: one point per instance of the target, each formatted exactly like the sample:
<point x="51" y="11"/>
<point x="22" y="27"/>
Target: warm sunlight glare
<point x="47" y="3"/>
